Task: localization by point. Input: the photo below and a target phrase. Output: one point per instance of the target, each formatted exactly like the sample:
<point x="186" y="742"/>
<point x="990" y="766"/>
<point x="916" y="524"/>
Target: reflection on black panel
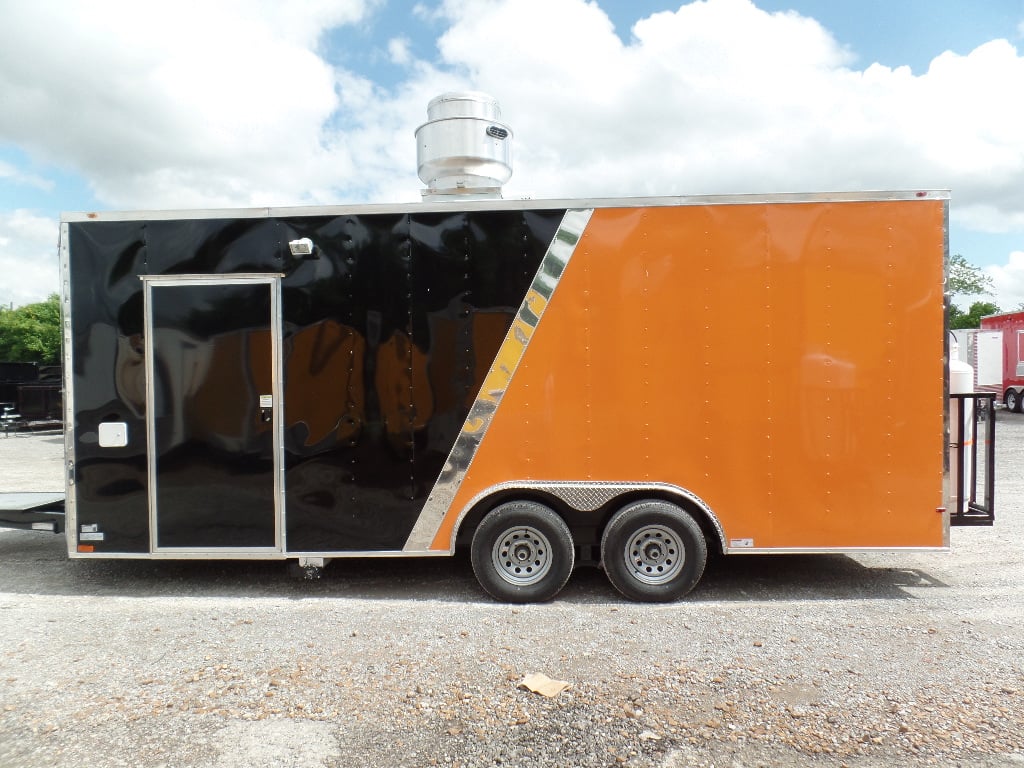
<point x="110" y="487"/>
<point x="389" y="334"/>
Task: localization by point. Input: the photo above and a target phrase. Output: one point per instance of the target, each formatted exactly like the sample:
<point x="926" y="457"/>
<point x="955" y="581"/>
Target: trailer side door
<point x="213" y="416"/>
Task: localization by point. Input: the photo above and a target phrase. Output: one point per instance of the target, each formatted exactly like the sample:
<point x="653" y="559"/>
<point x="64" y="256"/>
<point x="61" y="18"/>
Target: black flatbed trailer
<point x="33" y="511"/>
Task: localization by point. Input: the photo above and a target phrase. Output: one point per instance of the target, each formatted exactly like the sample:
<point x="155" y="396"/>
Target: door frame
<point x="273" y="283"/>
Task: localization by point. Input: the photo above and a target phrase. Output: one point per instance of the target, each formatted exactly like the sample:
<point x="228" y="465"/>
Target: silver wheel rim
<point x="522" y="555"/>
<point x="654" y="554"/>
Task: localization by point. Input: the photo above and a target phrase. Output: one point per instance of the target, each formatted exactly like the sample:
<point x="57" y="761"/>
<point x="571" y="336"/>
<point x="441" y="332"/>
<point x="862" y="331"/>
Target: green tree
<point x="31" y="334"/>
<point x="972" y="317"/>
<point x="966" y="278"/>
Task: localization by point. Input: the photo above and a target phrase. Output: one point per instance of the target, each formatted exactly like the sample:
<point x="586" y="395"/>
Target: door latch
<point x="266" y="408"/>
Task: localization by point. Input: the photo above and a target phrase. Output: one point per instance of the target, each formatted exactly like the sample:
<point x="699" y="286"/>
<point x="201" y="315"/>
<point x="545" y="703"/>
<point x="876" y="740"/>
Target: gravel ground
<point x="905" y="659"/>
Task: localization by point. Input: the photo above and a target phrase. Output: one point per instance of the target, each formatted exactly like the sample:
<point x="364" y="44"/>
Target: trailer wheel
<point x="653" y="551"/>
<point x="522" y="552"/>
<point x="1012" y="400"/>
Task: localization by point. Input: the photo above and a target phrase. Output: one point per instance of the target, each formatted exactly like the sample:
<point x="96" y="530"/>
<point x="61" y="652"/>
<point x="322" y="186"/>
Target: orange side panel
<point x="784" y="362"/>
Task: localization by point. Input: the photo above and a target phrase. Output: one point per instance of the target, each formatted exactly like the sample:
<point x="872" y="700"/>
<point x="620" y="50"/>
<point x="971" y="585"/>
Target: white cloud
<point x="230" y="104"/>
<point x="144" y="99"/>
<point x="1008" y="280"/>
<point x="717" y="96"/>
<point x="427" y="12"/>
<point x="28" y="258"/>
<point x="398" y="51"/>
<point x="721" y="96"/>
<point x="9" y="173"/>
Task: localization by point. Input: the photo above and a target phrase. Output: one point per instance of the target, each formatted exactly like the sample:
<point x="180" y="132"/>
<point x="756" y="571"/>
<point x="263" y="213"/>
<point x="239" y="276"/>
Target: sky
<point x="122" y="105"/>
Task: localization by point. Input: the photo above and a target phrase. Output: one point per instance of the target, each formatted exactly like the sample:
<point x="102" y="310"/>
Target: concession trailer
<point x="624" y="382"/>
<point x="995" y="352"/>
<point x="999" y="349"/>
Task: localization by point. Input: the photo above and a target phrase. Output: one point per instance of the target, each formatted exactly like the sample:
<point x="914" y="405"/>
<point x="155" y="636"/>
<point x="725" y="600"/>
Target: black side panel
<point x="346" y="315"/>
<point x="388" y="335"/>
<point x="215" y="456"/>
<point x="108" y="380"/>
<point x="107" y="258"/>
<point x="213" y="247"/>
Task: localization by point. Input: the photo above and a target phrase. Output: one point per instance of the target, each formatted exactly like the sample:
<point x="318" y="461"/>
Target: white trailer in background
<point x="996" y="352"/>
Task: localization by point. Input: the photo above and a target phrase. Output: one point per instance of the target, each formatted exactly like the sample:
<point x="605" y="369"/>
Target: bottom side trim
<point x="828" y="550"/>
<point x="268" y="556"/>
<point x="281" y="556"/>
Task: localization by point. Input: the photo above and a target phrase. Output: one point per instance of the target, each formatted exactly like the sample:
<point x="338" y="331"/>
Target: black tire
<point x="653" y="551"/>
<point x="1012" y="400"/>
<point x="522" y="552"/>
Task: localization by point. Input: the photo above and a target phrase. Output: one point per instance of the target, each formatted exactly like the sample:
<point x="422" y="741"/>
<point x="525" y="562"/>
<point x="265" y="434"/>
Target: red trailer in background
<point x="999" y="352"/>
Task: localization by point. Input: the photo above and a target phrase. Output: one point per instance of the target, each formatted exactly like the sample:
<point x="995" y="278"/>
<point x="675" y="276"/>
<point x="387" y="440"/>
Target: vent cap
<point x="463" y="150"/>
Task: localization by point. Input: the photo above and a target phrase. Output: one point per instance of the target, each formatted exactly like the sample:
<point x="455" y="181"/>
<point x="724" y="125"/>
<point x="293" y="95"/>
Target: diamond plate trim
<point x="591" y="496"/>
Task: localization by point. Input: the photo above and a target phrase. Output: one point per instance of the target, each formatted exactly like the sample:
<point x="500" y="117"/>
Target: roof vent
<point x="463" y="151"/>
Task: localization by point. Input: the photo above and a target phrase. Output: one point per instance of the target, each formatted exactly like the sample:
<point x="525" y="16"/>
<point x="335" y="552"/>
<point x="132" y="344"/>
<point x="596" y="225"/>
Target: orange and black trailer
<point x="630" y="382"/>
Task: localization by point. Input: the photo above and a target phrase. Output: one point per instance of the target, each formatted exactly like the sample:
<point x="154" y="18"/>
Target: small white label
<point x="113" y="434"/>
<point x="266" y="401"/>
<point x="741" y="543"/>
<point x="90" y="528"/>
<point x="91" y="537"/>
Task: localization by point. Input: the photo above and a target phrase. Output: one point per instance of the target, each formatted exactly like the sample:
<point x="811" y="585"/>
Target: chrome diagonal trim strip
<point x="511" y="352"/>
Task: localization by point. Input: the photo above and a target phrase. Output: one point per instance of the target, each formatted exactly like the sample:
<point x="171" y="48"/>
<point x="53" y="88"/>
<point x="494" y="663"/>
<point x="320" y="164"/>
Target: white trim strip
<point x="506" y="205"/>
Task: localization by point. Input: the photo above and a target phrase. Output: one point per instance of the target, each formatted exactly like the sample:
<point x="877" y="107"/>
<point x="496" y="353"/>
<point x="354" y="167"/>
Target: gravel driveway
<point x="904" y="659"/>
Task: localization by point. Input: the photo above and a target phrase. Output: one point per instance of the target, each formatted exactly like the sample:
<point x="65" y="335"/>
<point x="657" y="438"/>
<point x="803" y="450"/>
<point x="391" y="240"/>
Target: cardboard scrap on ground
<point x="543" y="685"/>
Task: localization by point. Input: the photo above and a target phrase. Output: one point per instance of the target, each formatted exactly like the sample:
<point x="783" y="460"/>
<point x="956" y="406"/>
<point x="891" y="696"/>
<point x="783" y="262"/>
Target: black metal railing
<point x="973" y="461"/>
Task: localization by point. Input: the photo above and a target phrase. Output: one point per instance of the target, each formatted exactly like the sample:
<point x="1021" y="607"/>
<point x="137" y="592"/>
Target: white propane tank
<point x="961" y="381"/>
